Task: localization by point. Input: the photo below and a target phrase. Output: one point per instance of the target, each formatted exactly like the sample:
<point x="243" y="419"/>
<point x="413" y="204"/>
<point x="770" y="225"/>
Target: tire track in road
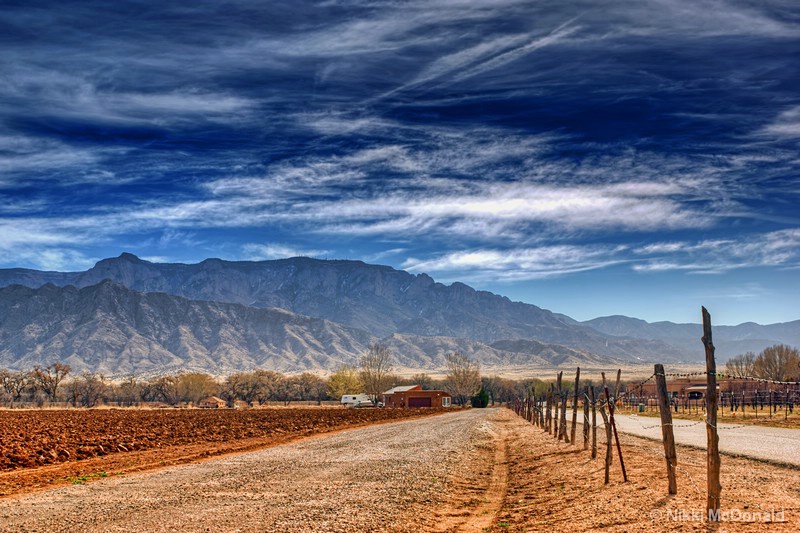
<point x="477" y="497"/>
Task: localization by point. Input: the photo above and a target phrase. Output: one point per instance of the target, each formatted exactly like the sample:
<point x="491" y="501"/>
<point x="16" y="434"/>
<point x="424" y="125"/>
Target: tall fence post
<point x="609" y="454"/>
<point x="563" y="424"/>
<point x="558" y="429"/>
<point x="666" y="427"/>
<point x="541" y="412"/>
<point x="594" y="423"/>
<point x="586" y="421"/>
<point x="575" y="406"/>
<point x="712" y="483"/>
<point x="613" y="426"/>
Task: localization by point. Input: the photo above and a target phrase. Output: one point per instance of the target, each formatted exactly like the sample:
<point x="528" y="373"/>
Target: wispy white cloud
<point x="20" y="153"/>
<point x="518" y="264"/>
<point x="44" y="254"/>
<point x="259" y="252"/>
<point x="774" y="249"/>
<point x="630" y="206"/>
<point x="557" y="35"/>
<point x="78" y="96"/>
<point x="785" y="125"/>
<point x="699" y="19"/>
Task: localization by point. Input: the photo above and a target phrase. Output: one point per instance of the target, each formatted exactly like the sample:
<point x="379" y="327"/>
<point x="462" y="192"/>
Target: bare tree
<point x="463" y="377"/>
<point x="779" y="362"/>
<point x="376" y="370"/>
<point x="287" y="390"/>
<point x="48" y="379"/>
<point x="165" y="389"/>
<point x="311" y="387"/>
<point x="195" y="386"/>
<point x="90" y="388"/>
<point x="233" y="387"/>
<point x="15" y="384"/>
<point x="422" y="379"/>
<point x="742" y="365"/>
<point x="128" y="392"/>
<point x="269" y="382"/>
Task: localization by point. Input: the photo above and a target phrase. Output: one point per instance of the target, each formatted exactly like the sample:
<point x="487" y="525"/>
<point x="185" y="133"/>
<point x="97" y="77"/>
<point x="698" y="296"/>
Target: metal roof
<point x="401" y="388"/>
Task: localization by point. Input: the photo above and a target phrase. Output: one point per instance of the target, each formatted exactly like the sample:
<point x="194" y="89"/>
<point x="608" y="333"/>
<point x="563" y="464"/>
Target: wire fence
<point x="735" y="394"/>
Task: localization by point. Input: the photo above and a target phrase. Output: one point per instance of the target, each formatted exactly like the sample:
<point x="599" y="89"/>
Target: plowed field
<point x="46" y="446"/>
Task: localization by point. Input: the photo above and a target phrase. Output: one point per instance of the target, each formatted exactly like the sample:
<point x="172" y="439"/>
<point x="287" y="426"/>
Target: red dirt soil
<point x="43" y="448"/>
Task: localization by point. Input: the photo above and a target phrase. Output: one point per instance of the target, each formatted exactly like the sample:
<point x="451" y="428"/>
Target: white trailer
<point x="357" y="400"/>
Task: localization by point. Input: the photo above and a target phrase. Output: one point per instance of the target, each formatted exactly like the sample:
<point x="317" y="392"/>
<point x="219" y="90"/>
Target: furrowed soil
<point x="45" y="448"/>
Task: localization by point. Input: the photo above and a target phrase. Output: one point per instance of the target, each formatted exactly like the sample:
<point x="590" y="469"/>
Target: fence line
<point x="548" y="411"/>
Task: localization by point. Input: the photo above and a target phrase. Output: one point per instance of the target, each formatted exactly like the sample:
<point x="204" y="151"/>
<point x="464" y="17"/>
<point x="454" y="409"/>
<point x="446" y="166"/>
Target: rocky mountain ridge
<point x="378" y="299"/>
<point x="115" y="330"/>
<point x="301" y="313"/>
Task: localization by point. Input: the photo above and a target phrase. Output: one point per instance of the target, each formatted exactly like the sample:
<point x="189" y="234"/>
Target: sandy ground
<point x="554" y="486"/>
<point x="472" y="470"/>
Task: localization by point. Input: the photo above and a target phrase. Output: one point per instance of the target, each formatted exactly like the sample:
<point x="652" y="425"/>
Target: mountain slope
<point x="728" y="340"/>
<point x="112" y="329"/>
<point x="378" y="299"/>
<point x="115" y="330"/>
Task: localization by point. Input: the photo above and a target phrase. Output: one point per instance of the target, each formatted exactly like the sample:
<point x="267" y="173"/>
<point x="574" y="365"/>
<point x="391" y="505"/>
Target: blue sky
<point x="592" y="158"/>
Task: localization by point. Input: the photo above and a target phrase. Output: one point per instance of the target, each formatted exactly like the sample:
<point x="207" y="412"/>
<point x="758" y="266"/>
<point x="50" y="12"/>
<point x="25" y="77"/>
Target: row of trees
<point x="373" y="375"/>
<point x="88" y="389"/>
<point x="778" y="363"/>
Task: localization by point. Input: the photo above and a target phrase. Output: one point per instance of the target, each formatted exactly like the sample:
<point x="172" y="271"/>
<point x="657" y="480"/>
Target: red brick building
<point x="414" y="396"/>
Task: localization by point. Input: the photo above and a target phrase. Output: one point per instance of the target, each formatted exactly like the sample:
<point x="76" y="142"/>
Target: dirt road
<point x="386" y="477"/>
<point x="759" y="442"/>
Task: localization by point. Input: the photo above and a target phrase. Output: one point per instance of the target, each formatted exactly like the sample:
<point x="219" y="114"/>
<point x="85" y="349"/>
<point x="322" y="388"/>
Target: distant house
<point x="212" y="402"/>
<point x="414" y="396"/>
<point x="683" y="388"/>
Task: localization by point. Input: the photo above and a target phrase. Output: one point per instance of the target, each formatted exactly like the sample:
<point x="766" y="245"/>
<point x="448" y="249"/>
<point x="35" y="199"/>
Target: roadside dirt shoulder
<point x="553" y="486"/>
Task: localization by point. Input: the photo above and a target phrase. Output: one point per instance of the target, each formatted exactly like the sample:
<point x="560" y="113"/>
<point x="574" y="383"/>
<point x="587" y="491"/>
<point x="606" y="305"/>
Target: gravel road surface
<point x="376" y="478"/>
<point x="772" y="444"/>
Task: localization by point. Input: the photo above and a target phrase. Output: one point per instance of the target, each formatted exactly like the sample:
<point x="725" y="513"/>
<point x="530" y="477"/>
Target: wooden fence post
<point x="666" y="428"/>
<point x="594" y="423"/>
<point x="712" y="482"/>
<point x="558" y="430"/>
<point x="608" y="443"/>
<point x="563" y="424"/>
<point x="611" y="402"/>
<point x="575" y="406"/>
<point x="549" y="414"/>
<point x="539" y="410"/>
<point x="743" y="399"/>
<point x="786" y="402"/>
<point x="586" y="421"/>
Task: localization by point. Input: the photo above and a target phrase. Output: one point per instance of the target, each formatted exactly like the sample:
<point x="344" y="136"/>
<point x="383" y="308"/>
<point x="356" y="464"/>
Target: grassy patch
<point x="81" y="480"/>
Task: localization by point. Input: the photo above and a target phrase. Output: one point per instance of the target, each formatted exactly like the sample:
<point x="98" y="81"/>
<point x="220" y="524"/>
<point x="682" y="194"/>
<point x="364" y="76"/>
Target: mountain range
<point x="126" y="315"/>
